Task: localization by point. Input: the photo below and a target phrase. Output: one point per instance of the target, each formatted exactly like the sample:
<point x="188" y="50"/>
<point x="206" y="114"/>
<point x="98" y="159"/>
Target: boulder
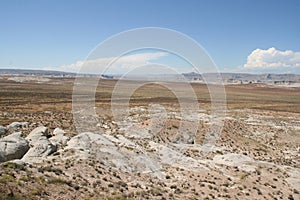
<point x="13" y="147"/>
<point x="59" y="140"/>
<point x="3" y="130"/>
<point x="37" y="134"/>
<point x="41" y="147"/>
<point x="58" y="131"/>
<point x="17" y="125"/>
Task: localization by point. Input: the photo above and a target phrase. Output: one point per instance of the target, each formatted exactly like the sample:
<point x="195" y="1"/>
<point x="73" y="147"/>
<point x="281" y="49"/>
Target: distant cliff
<point x="241" y="78"/>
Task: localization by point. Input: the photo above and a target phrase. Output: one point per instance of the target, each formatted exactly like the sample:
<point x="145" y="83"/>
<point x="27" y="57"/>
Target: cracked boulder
<point x="41" y="147"/>
<point x="13" y="147"/>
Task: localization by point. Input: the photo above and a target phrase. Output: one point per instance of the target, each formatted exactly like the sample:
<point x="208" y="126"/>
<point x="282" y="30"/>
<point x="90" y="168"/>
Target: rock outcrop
<point x="13" y="147"/>
<point x="59" y="139"/>
<point x="83" y="143"/>
<point x="17" y="125"/>
<point x="58" y="131"/>
<point x="242" y="162"/>
<point x="40" y="145"/>
<point x="37" y="134"/>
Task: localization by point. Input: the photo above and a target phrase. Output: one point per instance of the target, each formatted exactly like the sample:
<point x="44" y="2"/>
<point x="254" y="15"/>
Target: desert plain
<point x="255" y="156"/>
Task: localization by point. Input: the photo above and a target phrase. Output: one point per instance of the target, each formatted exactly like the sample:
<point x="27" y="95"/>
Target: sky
<point x="255" y="36"/>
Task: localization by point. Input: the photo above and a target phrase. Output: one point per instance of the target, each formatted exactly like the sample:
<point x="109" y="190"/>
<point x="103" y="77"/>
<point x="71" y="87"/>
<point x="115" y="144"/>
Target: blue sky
<point x="51" y="34"/>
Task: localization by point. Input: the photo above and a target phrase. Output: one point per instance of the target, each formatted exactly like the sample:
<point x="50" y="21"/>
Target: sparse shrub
<point x="5" y="178"/>
<point x="259" y="192"/>
<point x="58" y="181"/>
<point x="10" y="196"/>
<point x="110" y="185"/>
<point x="177" y="191"/>
<point x="122" y="184"/>
<point x="173" y="186"/>
<point x="11" y="165"/>
<point x="50" y="169"/>
<point x="156" y="192"/>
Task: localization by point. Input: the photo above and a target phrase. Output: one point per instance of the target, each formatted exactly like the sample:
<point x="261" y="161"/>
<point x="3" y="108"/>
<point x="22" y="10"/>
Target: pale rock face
<point x="294" y="178"/>
<point x="112" y="150"/>
<point x="243" y="162"/>
<point x="84" y="141"/>
<point x="41" y="146"/>
<point x="37" y="134"/>
<point x="13" y="147"/>
<point x="59" y="139"/>
<point x="17" y="125"/>
<point x="82" y="144"/>
<point x="58" y="131"/>
<point x="41" y="149"/>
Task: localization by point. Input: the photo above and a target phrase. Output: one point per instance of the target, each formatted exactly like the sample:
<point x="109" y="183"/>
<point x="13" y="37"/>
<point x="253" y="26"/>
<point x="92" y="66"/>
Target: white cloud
<point x="273" y="60"/>
<point x="121" y="65"/>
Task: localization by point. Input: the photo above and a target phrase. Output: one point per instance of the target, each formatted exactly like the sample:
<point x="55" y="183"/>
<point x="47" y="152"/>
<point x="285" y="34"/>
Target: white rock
<point x="13" y="147"/>
<point x="169" y="156"/>
<point x="41" y="146"/>
<point x="58" y="131"/>
<point x="107" y="149"/>
<point x="17" y="125"/>
<point x="243" y="162"/>
<point x="85" y="140"/>
<point x="294" y="178"/>
<point x="138" y="132"/>
<point x="41" y="149"/>
<point x="59" y="140"/>
<point x="84" y="143"/>
<point x="37" y="134"/>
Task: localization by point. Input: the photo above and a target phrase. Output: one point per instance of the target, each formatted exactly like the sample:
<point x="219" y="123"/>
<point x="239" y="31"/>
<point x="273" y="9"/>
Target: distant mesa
<point x="289" y="80"/>
<point x="243" y="78"/>
<point x="28" y="72"/>
<point x="46" y="73"/>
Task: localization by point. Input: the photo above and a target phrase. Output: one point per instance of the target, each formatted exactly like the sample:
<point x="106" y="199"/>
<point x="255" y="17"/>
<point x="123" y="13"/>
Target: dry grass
<point x="32" y="97"/>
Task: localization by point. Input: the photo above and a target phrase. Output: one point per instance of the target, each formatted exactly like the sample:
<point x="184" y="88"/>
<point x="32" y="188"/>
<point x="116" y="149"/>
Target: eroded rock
<point x="41" y="147"/>
<point x="17" y="125"/>
<point x="59" y="139"/>
<point x="58" y="131"/>
<point x="243" y="162"/>
<point x="13" y="147"/>
<point x="37" y="134"/>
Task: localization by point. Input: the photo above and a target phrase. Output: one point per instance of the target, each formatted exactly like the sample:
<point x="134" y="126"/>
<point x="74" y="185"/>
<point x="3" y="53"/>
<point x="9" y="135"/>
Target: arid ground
<point x="255" y="157"/>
